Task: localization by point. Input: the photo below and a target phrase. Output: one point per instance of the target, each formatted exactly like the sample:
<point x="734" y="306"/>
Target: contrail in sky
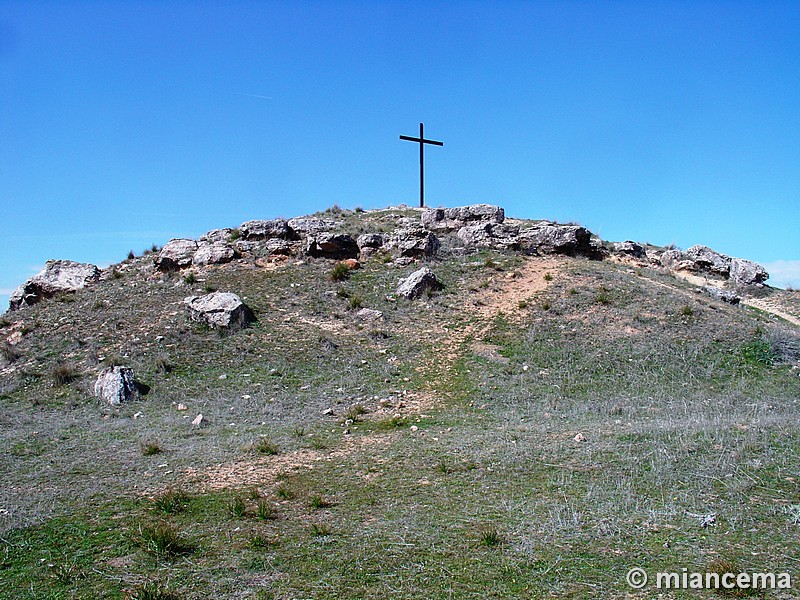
<point x="254" y="95"/>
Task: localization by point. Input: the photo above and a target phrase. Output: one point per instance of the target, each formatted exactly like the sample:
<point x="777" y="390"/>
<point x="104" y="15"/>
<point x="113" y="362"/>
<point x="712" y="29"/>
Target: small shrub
<point x="150" y="447"/>
<point x="546" y="305"/>
<point x="548" y="277"/>
<point x="258" y="541"/>
<point x="116" y="274"/>
<point x="65" y="297"/>
<point x="355" y="302"/>
<point x="490" y="537"/>
<point x="131" y="255"/>
<point x="687" y="311"/>
<point x="318" y="502"/>
<point x="354" y="412"/>
<point x="340" y="272"/>
<point x="234" y="235"/>
<point x="298" y="431"/>
<point x="190" y="278"/>
<point x="171" y="502"/>
<point x="154" y="248"/>
<point x="8" y="352"/>
<point x="319" y="529"/>
<point x="163" y="365"/>
<point x="253" y="493"/>
<point x="489" y="264"/>
<point x="208" y="288"/>
<point x="152" y="590"/>
<point x="112" y="360"/>
<point x="390" y="423"/>
<point x="4" y="322"/>
<point x="64" y="373"/>
<point x="602" y="298"/>
<point x="237" y="507"/>
<point x="758" y="352"/>
<point x="65" y="570"/>
<point x="318" y="444"/>
<point x="264" y="510"/>
<point x="522" y="304"/>
<point x="163" y="539"/>
<point x="267" y="446"/>
<point x="284" y="492"/>
<point x="572" y="291"/>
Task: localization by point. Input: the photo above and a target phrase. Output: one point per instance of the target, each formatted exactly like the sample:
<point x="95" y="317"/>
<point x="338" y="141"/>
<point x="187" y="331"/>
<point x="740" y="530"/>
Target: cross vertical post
<point x="422" y="141"/>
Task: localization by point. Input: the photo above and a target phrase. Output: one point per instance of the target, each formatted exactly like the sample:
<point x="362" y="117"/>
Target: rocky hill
<point x="439" y="402"/>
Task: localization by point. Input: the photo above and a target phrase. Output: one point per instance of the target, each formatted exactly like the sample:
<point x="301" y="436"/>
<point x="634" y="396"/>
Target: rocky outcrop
<point x="116" y="385"/>
<point x="176" y="254"/>
<point x="57" y="277"/>
<point x="332" y="245"/>
<point x="746" y="272"/>
<point x="629" y="248"/>
<point x="417" y="284"/>
<point x="264" y="230"/>
<point x="720" y="294"/>
<point x="498" y="236"/>
<point x="219" y="310"/>
<point x="370" y="240"/>
<point x="213" y="254"/>
<point x="551" y="238"/>
<point x="218" y="236"/>
<point x="709" y="261"/>
<point x="414" y="242"/>
<point x="452" y="219"/>
<point x="302" y="226"/>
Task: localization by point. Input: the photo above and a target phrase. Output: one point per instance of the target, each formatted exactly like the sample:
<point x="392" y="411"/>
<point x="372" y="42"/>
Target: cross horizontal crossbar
<point x="423" y="140"/>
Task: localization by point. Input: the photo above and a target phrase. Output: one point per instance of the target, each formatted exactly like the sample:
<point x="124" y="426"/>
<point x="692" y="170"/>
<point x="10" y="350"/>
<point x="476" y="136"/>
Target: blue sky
<point x="128" y="123"/>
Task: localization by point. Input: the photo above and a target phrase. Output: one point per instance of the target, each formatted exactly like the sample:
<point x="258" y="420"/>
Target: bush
<point x="150" y="447"/>
<point x="267" y="446"/>
<point x="9" y="352"/>
<point x="172" y="501"/>
<point x="190" y="278"/>
<point x="340" y="272"/>
<point x="131" y="255"/>
<point x="162" y="539"/>
<point x="64" y="373"/>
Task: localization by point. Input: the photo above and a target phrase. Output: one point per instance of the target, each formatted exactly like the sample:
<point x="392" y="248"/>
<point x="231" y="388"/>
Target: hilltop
<point x="544" y="412"/>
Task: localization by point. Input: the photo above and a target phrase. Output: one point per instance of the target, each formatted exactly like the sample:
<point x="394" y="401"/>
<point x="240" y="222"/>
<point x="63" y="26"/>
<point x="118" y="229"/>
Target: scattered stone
<point x="198" y="420"/>
<point x="351" y="263"/>
<point x="332" y="245"/>
<point x="116" y="385"/>
<point x="182" y="406"/>
<point x="176" y="254"/>
<point x="746" y="272"/>
<point x="369" y="314"/>
<point x="213" y="254"/>
<point x="720" y="294"/>
<point x="580" y="438"/>
<point x="418" y="283"/>
<point x="452" y="219"/>
<point x="57" y="276"/>
<point x="219" y="309"/>
<point x="328" y="412"/>
<point x="263" y="230"/>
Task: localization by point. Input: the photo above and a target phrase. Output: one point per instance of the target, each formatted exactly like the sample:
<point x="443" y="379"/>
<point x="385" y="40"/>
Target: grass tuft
<point x="153" y="590"/>
<point x="150" y="447"/>
<point x="163" y="539"/>
<point x="171" y="502"/>
<point x="64" y="373"/>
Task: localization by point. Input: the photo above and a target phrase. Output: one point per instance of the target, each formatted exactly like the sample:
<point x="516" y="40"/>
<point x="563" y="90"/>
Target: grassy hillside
<point x="429" y="454"/>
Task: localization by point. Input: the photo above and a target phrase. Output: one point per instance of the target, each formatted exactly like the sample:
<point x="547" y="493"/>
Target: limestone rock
<point x="453" y="219"/>
<point x="630" y="248"/>
<point x="720" y="294"/>
<point x="746" y="272"/>
<point x="176" y="254"/>
<point x="552" y="238"/>
<point x="57" y="276"/>
<point x="490" y="235"/>
<point x="415" y="242"/>
<point x="219" y="310"/>
<point x="266" y="229"/>
<point x="369" y="314"/>
<point x="707" y="260"/>
<point x="370" y="240"/>
<point x="332" y="245"/>
<point x="213" y="254"/>
<point x="116" y="385"/>
<point x="302" y="226"/>
<point x="217" y="236"/>
<point x="417" y="284"/>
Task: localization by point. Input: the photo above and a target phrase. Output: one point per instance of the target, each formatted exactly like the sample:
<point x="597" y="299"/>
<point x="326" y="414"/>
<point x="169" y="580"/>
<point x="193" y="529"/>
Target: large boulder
<point x="264" y="230"/>
<point x="710" y="261"/>
<point x="213" y="254"/>
<point x="552" y="238"/>
<point x="746" y="272"/>
<point x="219" y="310"/>
<point x="629" y="248"/>
<point x="57" y="276"/>
<point x="414" y="242"/>
<point x="176" y="254"/>
<point x="370" y="240"/>
<point x="453" y="219"/>
<point x="499" y="236"/>
<point x="720" y="294"/>
<point x="332" y="245"/>
<point x="226" y="234"/>
<point x="116" y="385"/>
<point x="418" y="283"/>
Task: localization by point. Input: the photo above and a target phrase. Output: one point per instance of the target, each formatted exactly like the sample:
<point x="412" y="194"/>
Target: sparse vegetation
<point x="266" y="446"/>
<point x="131" y="255"/>
<point x="340" y="272"/>
<point x="150" y="447"/>
<point x="8" y="352"/>
<point x="190" y="278"/>
<point x="64" y="373"/>
<point x="172" y="501"/>
<point x="163" y="539"/>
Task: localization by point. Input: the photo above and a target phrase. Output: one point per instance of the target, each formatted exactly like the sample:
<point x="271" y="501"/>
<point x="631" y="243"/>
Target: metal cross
<point x="422" y="141"/>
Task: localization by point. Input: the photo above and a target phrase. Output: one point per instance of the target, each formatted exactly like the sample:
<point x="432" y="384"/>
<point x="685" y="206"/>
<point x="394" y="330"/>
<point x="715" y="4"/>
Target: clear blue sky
<point x="127" y="123"/>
